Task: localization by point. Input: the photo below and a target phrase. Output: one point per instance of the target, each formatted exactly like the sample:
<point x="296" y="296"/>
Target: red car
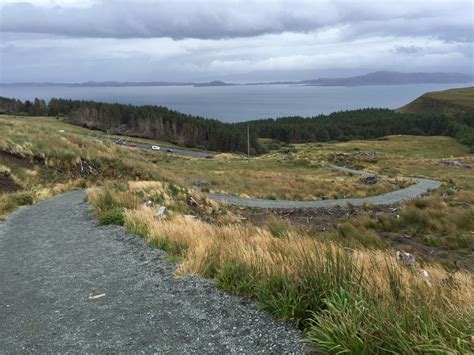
<point x="132" y="145"/>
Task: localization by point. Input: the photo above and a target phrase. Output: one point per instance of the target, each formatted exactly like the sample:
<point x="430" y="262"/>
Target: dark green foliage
<point x="113" y="216"/>
<point x="24" y="198"/>
<point x="175" y="250"/>
<point x="11" y="106"/>
<point x="365" y="124"/>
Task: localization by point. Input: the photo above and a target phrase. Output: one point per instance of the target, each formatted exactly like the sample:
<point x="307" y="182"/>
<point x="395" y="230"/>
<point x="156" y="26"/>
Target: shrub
<point x="113" y="216"/>
<point x="24" y="198"/>
<point x="278" y="228"/>
<point x="359" y="236"/>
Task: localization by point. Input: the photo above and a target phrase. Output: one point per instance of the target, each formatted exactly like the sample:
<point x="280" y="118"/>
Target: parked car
<point x="133" y="145"/>
<point x="155" y="147"/>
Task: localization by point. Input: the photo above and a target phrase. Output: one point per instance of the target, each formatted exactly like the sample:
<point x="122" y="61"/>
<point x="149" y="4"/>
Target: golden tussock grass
<point x="208" y="248"/>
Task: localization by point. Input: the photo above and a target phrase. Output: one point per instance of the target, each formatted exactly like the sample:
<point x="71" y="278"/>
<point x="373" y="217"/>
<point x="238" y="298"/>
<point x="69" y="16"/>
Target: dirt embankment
<point x="20" y="161"/>
<point x="7" y="184"/>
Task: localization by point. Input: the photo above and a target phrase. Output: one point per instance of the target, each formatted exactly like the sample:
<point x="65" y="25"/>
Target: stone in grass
<point x="406" y="258"/>
<point x="369" y="180"/>
<point x="148" y="203"/>
<point x="201" y="183"/>
<point x="161" y="212"/>
<point x="191" y="202"/>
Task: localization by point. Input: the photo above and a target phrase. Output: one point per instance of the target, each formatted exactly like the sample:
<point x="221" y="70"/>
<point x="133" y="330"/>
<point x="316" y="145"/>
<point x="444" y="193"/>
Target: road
<point x="174" y="150"/>
<point x="421" y="187"/>
<point x="69" y="285"/>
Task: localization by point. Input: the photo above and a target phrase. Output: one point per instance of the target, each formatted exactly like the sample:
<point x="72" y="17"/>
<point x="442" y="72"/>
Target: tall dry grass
<point x="258" y="248"/>
<point x="322" y="287"/>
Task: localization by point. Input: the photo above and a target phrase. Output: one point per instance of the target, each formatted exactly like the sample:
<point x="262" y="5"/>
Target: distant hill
<point x="442" y="102"/>
<point x="392" y="78"/>
<point x="214" y="83"/>
<point x="375" y="78"/>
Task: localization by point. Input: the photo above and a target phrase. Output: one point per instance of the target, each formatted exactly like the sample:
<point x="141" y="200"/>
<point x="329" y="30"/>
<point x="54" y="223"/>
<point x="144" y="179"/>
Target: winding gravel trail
<point x="421" y="187"/>
<point x="53" y="256"/>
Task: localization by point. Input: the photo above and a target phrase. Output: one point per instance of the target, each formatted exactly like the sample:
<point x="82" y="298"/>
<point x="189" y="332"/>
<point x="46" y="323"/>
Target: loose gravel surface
<point x="421" y="187"/>
<point x="69" y="285"/>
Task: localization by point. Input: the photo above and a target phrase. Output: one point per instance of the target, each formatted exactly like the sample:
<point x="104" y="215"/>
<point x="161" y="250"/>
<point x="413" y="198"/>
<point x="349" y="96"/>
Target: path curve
<point x="421" y="187"/>
<point x="53" y="255"/>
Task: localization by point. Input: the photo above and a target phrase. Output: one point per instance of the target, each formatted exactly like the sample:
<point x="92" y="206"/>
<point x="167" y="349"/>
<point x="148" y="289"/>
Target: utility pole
<point x="248" y="141"/>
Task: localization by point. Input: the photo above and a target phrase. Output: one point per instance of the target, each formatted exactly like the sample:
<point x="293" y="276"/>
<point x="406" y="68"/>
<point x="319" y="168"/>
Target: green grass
<point x="113" y="216"/>
<point x="276" y="177"/>
<point x="447" y="102"/>
<point x="58" y="124"/>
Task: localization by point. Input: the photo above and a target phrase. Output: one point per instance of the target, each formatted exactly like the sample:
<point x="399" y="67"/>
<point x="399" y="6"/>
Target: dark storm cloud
<point x="147" y="19"/>
<point x="450" y="21"/>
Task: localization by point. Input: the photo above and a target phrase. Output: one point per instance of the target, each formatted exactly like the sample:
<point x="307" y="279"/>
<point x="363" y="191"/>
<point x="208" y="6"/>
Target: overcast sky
<point x="240" y="40"/>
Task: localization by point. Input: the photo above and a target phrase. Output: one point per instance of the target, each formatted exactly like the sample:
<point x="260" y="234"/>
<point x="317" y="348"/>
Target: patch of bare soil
<point x="311" y="218"/>
<point x="451" y="259"/>
<point x="326" y="218"/>
<point x="22" y="162"/>
<point x="456" y="164"/>
<point x="7" y="184"/>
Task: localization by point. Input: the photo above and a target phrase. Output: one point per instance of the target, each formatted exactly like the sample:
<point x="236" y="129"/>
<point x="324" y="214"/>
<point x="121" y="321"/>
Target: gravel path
<point x="421" y="187"/>
<point x="53" y="256"/>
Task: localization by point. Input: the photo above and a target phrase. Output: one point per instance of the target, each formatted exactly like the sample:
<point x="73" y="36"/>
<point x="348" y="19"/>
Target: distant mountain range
<point x="375" y="78"/>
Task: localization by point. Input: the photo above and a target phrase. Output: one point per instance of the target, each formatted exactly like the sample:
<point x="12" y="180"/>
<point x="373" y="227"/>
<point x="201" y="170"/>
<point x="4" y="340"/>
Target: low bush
<point x="113" y="216"/>
<point x="24" y="198"/>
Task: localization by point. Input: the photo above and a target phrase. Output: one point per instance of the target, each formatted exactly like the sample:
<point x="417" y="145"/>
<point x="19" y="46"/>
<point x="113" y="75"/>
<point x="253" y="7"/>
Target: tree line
<point x="161" y="123"/>
<point x="154" y="122"/>
<point x="364" y="124"/>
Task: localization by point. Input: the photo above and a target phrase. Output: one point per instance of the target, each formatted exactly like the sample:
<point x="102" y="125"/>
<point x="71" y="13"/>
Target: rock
<point x="148" y="203"/>
<point x="366" y="153"/>
<point x="200" y="183"/>
<point x="191" y="202"/>
<point x="87" y="168"/>
<point x="369" y="180"/>
<point x="406" y="258"/>
<point x="425" y="276"/>
<point x="456" y="164"/>
<point x="161" y="212"/>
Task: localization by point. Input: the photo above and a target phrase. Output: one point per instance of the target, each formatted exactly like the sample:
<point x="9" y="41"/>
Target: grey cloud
<point x="408" y="49"/>
<point x="215" y="19"/>
<point x="146" y="19"/>
<point x="206" y="40"/>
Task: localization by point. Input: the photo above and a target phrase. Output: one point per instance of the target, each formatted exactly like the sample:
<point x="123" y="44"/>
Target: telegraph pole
<point x="248" y="141"/>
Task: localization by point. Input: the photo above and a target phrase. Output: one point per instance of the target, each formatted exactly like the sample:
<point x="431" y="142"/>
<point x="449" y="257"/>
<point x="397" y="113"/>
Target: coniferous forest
<point x="161" y="123"/>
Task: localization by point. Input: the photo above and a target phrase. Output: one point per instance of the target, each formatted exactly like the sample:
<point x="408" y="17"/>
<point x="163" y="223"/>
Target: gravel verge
<point x="69" y="285"/>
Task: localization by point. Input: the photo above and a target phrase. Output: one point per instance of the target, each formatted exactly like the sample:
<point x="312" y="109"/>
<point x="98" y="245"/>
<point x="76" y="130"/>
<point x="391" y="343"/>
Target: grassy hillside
<point x="442" y="102"/>
<point x="332" y="273"/>
<point x="160" y="123"/>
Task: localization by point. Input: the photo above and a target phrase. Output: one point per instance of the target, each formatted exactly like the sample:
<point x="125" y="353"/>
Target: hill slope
<point x="392" y="78"/>
<point x="445" y="102"/>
